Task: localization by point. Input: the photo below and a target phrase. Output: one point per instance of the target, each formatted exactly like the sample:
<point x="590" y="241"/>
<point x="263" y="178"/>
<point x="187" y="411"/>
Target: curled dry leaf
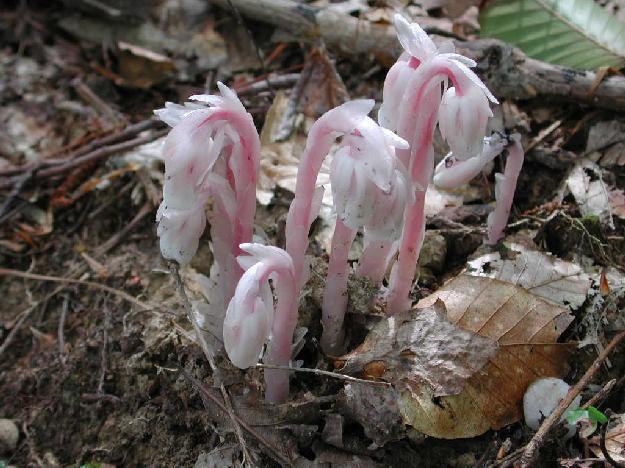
<point x="591" y="195"/>
<point x="462" y="362"/>
<point x="614" y="441"/>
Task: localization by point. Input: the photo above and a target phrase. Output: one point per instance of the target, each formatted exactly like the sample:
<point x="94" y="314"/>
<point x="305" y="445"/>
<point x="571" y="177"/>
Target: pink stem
<point x="499" y="218"/>
<point x="279" y="349"/>
<point x="403" y="272"/>
<point x="244" y="187"/>
<point x="374" y="260"/>
<point x="417" y="120"/>
<point x="335" y="291"/>
<point x="340" y="120"/>
<point x="298" y="222"/>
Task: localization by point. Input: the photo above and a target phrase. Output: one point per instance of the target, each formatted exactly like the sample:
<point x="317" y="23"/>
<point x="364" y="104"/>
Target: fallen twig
<point x="601" y="394"/>
<point x="91" y="284"/>
<point x="507" y="71"/>
<point x="130" y="131"/>
<point x="60" y="330"/>
<point x="173" y="267"/>
<point x="17" y="188"/>
<point x="61" y="166"/>
<point x="100" y="153"/>
<point x="280" y="458"/>
<point x="334" y="375"/>
<point x="531" y="449"/>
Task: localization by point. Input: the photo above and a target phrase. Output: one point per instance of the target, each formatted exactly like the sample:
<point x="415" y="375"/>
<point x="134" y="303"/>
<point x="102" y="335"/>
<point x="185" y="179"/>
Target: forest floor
<point x="98" y="363"/>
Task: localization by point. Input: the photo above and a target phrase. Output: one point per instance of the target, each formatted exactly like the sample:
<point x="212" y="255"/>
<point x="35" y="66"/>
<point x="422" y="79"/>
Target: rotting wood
<point x="507" y="71"/>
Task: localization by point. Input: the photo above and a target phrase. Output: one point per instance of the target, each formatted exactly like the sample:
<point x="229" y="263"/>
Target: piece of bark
<point x="507" y="71"/>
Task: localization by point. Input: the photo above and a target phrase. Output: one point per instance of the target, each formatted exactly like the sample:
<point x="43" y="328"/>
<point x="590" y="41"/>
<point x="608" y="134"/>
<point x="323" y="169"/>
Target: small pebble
<point x="9" y="435"/>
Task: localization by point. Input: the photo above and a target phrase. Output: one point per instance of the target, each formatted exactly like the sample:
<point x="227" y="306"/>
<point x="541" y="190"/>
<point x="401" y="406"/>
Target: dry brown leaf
<point x="422" y="347"/>
<point x="555" y="281"/>
<point x="375" y="408"/>
<point x="142" y="68"/>
<point x="614" y="442"/>
<point x="526" y="328"/>
<point x="585" y="182"/>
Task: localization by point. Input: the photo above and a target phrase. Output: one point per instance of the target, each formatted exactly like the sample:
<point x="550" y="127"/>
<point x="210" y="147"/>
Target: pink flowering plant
<point x="251" y="320"/>
<point x="413" y="105"/>
<point x="370" y="188"/>
<point x="212" y="152"/>
<point x="379" y="175"/>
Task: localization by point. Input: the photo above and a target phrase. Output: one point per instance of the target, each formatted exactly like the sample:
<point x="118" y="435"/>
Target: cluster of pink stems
<point x="380" y="174"/>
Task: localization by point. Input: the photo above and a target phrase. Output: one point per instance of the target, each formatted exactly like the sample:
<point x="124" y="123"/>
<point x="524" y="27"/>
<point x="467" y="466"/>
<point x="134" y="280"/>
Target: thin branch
<point x="126" y="133"/>
<point x="173" y="267"/>
<point x="99" y="153"/>
<point x="91" y="284"/>
<point x="531" y="449"/>
<point x="17" y="188"/>
<point x="600" y="395"/>
<point x="507" y="71"/>
<point x="60" y="330"/>
<point x="334" y="375"/>
<point x="206" y="392"/>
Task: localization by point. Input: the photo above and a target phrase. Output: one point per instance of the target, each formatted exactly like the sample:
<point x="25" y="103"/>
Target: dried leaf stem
<point x="334" y="375"/>
<point x="227" y="406"/>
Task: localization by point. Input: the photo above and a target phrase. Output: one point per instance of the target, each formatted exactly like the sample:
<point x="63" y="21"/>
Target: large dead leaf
<point x="421" y="347"/>
<point x="526" y="328"/>
<point x="555" y="281"/>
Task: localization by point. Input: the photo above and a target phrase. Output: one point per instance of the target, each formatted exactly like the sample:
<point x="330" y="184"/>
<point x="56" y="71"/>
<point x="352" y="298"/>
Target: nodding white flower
<point x="370" y="186"/>
<point x="418" y="49"/>
<point x="452" y="172"/>
<point x="206" y="144"/>
<point x="414" y="39"/>
<point x="179" y="230"/>
<point x="462" y="119"/>
<point x="250" y="317"/>
<point x="412" y="107"/>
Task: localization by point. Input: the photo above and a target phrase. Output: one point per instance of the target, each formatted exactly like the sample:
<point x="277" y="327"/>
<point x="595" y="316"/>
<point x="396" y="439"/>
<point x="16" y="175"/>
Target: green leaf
<point x="575" y="415"/>
<point x="572" y="33"/>
<point x="595" y="415"/>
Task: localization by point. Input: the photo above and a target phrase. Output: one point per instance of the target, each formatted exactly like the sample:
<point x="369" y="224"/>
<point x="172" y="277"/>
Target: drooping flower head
<point x="427" y="86"/>
<point x="462" y="119"/>
<point x="370" y="185"/>
<point x="464" y="110"/>
<point x="451" y="172"/>
<point x="251" y="320"/>
<point x="250" y="314"/>
<point x="219" y="141"/>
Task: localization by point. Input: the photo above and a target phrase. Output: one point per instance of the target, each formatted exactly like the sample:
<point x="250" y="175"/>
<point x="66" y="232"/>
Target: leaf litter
<point x="499" y="294"/>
